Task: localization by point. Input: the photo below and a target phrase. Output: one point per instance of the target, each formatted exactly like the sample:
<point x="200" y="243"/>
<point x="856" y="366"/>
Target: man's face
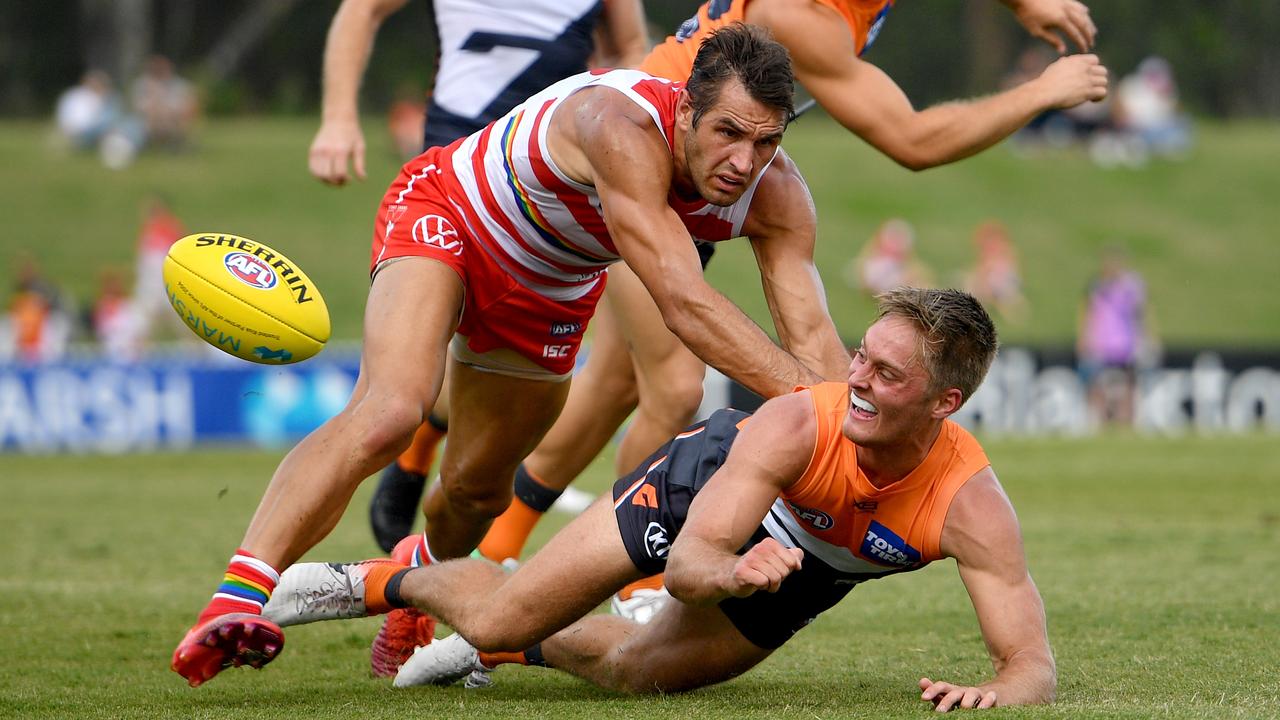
<point x="731" y="144"/>
<point x="889" y="395"/>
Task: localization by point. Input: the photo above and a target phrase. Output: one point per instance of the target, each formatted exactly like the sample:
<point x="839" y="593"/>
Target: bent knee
<point x="674" y="400"/>
<point x="382" y="427"/>
<point x="475" y="497"/>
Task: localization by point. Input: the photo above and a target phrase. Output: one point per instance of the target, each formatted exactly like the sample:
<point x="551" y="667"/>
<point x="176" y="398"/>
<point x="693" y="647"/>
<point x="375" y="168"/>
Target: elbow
<point x="915" y="161"/>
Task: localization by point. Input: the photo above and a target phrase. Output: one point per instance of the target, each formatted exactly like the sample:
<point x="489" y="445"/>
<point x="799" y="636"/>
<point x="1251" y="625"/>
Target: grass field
<point x="1202" y="231"/>
<point x="1156" y="558"/>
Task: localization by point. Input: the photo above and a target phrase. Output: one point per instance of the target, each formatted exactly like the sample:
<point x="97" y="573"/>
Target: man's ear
<point x="947" y="402"/>
<point x="684" y="111"/>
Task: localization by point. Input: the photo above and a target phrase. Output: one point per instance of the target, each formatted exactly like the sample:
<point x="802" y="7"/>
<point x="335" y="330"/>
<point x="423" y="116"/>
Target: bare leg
<point x="682" y="648"/>
<point x="603" y="395"/>
<point x="578" y="569"/>
<point x="495" y="420"/>
<point x="411" y="313"/>
<point x="668" y="375"/>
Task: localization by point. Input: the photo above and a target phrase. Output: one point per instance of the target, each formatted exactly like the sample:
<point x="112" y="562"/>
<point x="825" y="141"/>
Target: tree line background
<point x="264" y="55"/>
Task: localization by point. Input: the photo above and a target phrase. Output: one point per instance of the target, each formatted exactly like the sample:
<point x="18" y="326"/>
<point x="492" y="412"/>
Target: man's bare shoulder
<point x="781" y="200"/>
<point x="981" y="528"/>
<point x="599" y="128"/>
<point x="784" y="430"/>
<point x="813" y="33"/>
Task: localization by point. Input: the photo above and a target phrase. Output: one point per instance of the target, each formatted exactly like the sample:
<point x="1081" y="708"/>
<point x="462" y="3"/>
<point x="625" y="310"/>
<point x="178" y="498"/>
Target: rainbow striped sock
<point x="246" y="587"/>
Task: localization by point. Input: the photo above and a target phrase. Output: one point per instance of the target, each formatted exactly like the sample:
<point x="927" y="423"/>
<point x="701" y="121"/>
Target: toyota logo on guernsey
<point x="250" y="270"/>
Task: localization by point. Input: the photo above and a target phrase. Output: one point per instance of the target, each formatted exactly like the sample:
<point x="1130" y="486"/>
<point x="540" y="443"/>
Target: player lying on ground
<point x="491" y="254"/>
<point x="635" y="362"/>
<point x="761" y="523"/>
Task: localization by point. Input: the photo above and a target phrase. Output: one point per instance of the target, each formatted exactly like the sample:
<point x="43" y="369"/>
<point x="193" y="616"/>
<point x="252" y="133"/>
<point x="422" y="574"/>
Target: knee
<point x="474" y="494"/>
<point x="384" y="427"/>
<point x="673" y="398"/>
<point x="490" y="635"/>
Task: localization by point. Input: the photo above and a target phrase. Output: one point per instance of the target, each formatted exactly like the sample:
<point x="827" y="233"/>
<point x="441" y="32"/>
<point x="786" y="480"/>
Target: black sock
<point x="392" y="591"/>
<point x="533" y="656"/>
<point x="533" y="493"/>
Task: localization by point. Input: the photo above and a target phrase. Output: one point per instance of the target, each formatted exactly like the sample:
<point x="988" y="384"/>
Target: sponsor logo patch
<point x="565" y="328"/>
<point x="883" y="546"/>
<point x="656" y="542"/>
<point x="250" y="270"/>
<point x="437" y="232"/>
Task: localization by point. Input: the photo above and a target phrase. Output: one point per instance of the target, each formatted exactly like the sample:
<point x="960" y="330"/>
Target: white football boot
<point x="444" y="662"/>
<point x="311" y="592"/>
<point x="641" y="606"/>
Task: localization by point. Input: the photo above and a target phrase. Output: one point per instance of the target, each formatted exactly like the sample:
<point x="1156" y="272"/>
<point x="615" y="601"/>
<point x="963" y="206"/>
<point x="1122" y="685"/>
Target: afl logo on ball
<point x="250" y="270"/>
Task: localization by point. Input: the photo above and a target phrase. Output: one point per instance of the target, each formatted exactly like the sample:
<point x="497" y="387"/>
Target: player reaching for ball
<point x="496" y="247"/>
<point x="761" y="523"/>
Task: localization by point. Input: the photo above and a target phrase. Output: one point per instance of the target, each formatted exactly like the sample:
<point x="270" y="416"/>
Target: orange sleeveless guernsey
<point x="673" y="58"/>
<point x="837" y="516"/>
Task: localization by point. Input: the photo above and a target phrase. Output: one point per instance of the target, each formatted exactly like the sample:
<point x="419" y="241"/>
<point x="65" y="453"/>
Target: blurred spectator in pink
<point x="888" y="261"/>
<point x="160" y="229"/>
<point x="166" y="103"/>
<point x="1115" y="338"/>
<point x="996" y="279"/>
<point x="112" y="319"/>
<point x="35" y="326"/>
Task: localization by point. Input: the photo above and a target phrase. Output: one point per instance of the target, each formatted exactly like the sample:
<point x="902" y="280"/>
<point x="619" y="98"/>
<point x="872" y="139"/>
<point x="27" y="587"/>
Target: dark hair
<point x="957" y="338"/>
<point x="750" y="54"/>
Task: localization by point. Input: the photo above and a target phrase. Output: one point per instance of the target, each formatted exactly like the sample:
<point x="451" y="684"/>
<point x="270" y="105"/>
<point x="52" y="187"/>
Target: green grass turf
<point x="1157" y="559"/>
<point x="1201" y="231"/>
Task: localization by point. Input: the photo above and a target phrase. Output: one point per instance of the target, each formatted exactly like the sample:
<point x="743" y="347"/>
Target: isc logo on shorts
<point x="437" y="232"/>
<point x="250" y="270"/>
<point x="656" y="541"/>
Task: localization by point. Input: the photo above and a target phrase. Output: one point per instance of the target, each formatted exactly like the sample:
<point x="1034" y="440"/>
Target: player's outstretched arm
<point x="770" y="453"/>
<point x="782" y="226"/>
<point x="1051" y="20"/>
<point x="982" y="534"/>
<point x="346" y="53"/>
<point x="867" y="101"/>
<point x="621" y="152"/>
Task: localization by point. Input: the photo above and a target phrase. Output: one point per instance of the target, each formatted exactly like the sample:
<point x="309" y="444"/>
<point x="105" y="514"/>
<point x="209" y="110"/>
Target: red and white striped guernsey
<point x="545" y="230"/>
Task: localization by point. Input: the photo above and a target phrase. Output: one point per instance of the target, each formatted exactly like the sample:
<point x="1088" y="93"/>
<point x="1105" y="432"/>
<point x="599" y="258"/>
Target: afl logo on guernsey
<point x="815" y="518"/>
<point x="250" y="270"/>
<point x="883" y="547"/>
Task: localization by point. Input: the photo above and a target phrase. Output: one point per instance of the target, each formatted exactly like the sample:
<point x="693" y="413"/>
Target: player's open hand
<point x="946" y="697"/>
<point x="335" y="144"/>
<point x="1045" y="19"/>
<point x="1075" y="79"/>
<point x="764" y="567"/>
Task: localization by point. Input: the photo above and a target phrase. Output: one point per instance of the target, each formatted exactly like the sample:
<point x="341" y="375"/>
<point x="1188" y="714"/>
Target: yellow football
<point x="245" y="299"/>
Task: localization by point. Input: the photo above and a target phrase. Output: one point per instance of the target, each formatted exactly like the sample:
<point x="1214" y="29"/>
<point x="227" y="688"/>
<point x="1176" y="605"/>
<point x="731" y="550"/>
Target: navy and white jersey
<point x="494" y="54"/>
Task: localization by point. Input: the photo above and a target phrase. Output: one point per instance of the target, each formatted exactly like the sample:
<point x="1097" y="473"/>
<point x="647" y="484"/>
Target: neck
<point x="885" y="466"/>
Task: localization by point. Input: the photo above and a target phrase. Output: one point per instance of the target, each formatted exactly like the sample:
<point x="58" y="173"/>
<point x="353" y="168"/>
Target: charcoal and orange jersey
<point x="673" y="58"/>
<point x="860" y="531"/>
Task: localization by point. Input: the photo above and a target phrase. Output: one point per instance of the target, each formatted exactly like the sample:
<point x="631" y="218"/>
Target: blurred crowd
<point x="41" y="321"/>
<point x="160" y="112"/>
<point x="1116" y="337"/>
<point x="1139" y="120"/>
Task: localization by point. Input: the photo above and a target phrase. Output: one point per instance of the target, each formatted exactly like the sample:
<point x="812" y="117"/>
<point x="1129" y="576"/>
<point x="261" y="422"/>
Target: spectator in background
<point x="113" y="321"/>
<point x="166" y="103"/>
<point x="1115" y="336"/>
<point x="86" y="111"/>
<point x="888" y="261"/>
<point x="160" y="229"/>
<point x="35" y="327"/>
<point x="405" y="119"/>
<point x="91" y="116"/>
<point x="1147" y="110"/>
<point x="996" y="279"/>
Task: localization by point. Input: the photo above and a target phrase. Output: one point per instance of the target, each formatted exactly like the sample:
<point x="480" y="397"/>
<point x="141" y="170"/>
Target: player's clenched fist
<point x="764" y="567"/>
<point x="335" y="144"/>
<point x="1075" y="79"/>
